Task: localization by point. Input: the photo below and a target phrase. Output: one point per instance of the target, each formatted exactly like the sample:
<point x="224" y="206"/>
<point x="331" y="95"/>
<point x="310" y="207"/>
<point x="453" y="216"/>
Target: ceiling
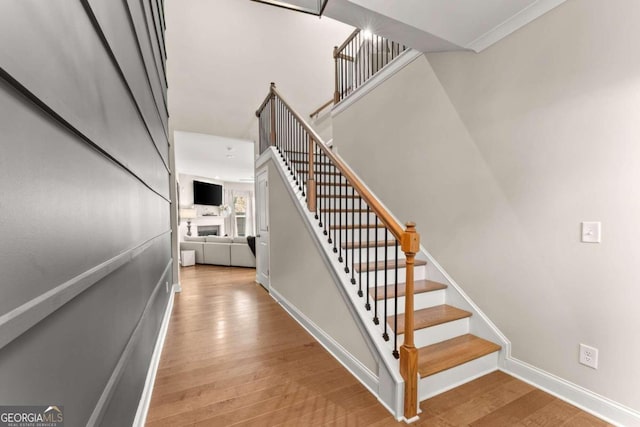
<point x="441" y="25"/>
<point x="222" y="55"/>
<point x="210" y="156"/>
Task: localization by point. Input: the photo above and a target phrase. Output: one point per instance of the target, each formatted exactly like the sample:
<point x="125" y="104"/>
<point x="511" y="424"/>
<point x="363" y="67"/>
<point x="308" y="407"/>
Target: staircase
<point x="403" y="293"/>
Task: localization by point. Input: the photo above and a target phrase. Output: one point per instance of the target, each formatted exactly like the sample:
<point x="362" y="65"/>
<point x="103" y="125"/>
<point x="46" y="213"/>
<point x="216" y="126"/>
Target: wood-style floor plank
<point x="233" y="356"/>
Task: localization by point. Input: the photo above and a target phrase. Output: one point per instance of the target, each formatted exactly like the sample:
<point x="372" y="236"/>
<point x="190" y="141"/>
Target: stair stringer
<point x="388" y="387"/>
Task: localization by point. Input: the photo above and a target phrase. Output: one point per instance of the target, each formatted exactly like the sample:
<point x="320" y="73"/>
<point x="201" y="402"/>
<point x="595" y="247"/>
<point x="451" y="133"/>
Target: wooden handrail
<point x="264" y="103"/>
<point x="346" y="57"/>
<point x="346" y="42"/>
<point x="320" y="108"/>
<point x="383" y="215"/>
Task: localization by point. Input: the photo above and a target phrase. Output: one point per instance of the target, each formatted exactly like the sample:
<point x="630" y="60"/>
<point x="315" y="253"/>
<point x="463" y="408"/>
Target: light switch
<point x="591" y="232"/>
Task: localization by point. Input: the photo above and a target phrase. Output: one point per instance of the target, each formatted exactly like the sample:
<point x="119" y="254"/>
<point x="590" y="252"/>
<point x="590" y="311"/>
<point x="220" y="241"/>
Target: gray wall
<point x="499" y="156"/>
<point x="84" y="207"/>
<point x="299" y="274"/>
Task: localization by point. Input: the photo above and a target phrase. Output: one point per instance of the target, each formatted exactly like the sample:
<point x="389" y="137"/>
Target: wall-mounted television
<point x="205" y="193"/>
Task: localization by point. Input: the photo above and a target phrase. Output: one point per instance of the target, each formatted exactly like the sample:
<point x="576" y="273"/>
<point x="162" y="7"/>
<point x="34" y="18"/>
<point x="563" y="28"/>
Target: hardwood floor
<point x="233" y="356"/>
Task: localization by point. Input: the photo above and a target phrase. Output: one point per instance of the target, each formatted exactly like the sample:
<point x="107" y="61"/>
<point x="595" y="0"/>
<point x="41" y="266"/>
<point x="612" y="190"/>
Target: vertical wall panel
<point x="84" y="205"/>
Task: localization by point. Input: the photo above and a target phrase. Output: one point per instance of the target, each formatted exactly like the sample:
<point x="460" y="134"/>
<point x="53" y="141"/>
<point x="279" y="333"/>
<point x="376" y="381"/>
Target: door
<point x="262" y="234"/>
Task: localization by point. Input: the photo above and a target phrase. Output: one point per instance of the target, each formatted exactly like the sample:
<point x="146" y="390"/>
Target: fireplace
<point x="208" y="230"/>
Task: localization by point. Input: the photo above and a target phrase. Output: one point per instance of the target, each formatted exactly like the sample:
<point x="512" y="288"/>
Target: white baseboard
<point x="599" y="406"/>
<point x="145" y="399"/>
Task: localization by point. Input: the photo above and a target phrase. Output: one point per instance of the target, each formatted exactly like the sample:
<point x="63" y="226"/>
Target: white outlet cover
<point x="592" y="231"/>
<point x="589" y="356"/>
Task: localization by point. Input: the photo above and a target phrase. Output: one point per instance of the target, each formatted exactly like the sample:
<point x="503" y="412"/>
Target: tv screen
<point x="207" y="194"/>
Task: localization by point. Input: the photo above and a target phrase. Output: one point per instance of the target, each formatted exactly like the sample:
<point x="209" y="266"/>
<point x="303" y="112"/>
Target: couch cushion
<point x="218" y="254"/>
<point x="241" y="255"/>
<point x="194" y="239"/>
<point x="239" y="240"/>
<point x="218" y="239"/>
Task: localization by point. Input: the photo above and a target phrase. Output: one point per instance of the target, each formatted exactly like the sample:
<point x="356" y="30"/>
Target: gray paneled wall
<point x="85" y="259"/>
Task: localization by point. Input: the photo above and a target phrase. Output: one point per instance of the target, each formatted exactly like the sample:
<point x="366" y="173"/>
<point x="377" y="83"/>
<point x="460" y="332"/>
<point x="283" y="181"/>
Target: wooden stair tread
<point x="381" y="265"/>
<point x="419" y="287"/>
<point x="356" y="226"/>
<point x="451" y="353"/>
<point x="370" y="244"/>
<point x="431" y="316"/>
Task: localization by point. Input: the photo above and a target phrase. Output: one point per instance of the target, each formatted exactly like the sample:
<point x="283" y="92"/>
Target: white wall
<point x="499" y="156"/>
<point x="299" y="274"/>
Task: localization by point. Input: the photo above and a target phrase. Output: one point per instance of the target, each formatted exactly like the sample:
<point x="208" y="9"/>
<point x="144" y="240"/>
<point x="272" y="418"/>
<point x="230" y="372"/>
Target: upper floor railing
<point x="360" y="57"/>
<point x="355" y="224"/>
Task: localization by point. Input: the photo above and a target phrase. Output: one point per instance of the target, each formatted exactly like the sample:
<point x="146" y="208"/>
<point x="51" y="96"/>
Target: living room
<point x="216" y="200"/>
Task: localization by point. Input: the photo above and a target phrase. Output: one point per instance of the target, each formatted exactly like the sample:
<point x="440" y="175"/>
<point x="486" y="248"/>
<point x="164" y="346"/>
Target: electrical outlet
<point x="589" y="356"/>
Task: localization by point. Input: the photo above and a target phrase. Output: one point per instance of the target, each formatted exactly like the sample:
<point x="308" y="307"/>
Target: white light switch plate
<point x="591" y="232"/>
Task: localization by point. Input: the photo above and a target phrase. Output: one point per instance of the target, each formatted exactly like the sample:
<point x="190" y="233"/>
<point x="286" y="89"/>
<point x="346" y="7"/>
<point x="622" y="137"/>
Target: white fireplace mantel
<point x="207" y="220"/>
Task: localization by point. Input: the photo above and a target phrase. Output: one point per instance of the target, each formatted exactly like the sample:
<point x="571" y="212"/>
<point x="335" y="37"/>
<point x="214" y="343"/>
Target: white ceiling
<point x="225" y="159"/>
<point x="222" y="55"/>
<point x="437" y="25"/>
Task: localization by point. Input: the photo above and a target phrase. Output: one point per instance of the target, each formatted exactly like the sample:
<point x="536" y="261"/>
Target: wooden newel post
<point x="336" y="93"/>
<point x="311" y="182"/>
<point x="408" y="351"/>
<point x="273" y="113"/>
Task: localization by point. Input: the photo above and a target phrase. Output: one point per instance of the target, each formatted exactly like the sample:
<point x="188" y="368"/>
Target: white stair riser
<point x="422" y="300"/>
<point x="446" y="380"/>
<point x="419" y="273"/>
<point x="434" y="334"/>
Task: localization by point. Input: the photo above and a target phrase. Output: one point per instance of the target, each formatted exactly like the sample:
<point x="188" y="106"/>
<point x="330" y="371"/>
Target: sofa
<point x="220" y="250"/>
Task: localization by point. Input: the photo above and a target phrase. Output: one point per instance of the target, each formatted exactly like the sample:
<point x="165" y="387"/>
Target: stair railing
<point x="359" y="58"/>
<point x="318" y="110"/>
<point x="334" y="195"/>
